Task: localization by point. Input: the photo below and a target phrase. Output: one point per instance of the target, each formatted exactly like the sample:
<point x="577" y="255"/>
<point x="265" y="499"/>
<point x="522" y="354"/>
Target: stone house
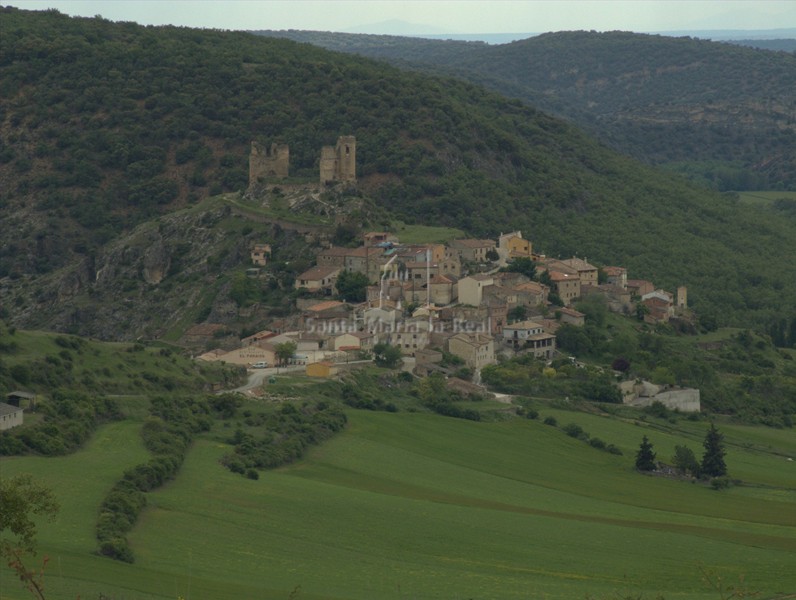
<point x="442" y="290"/>
<point x="567" y="286"/>
<point x="513" y="245"/>
<point x="616" y="276"/>
<point x="367" y="261"/>
<point x="509" y="279"/>
<point x="327" y="318"/>
<point x="414" y="335"/>
<point x="260" y="336"/>
<point x="318" y="279"/>
<point x="333" y="256"/>
<point x="499" y="293"/>
<point x="10" y="416"/>
<point x="22" y="399"/>
<point x="260" y="254"/>
<point x="659" y="305"/>
<point x="346" y="341"/>
<point x="516" y="334"/>
<point x="541" y="345"/>
<point x="248" y="355"/>
<point x="531" y="293"/>
<point x="571" y="316"/>
<point x="490" y="317"/>
<point x="476" y="349"/>
<point x="427" y="361"/>
<point x="473" y="250"/>
<point x="450" y="265"/>
<point x="586" y="272"/>
<point x="639" y="287"/>
<point x="471" y="288"/>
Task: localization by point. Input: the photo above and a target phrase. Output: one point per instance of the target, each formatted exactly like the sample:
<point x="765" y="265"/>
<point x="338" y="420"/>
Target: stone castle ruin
<point x="270" y="162"/>
<point x="338" y="163"/>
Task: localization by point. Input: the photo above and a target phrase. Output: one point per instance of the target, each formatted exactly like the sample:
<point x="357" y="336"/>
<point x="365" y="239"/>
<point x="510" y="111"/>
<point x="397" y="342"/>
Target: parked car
<point x="259" y="365"/>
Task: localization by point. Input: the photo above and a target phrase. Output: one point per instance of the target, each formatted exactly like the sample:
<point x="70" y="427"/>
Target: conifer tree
<point x="645" y="457"/>
<point x="713" y="463"/>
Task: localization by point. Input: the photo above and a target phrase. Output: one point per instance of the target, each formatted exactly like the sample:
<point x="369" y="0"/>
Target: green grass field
<point x="414" y="505"/>
<point x="425" y="234"/>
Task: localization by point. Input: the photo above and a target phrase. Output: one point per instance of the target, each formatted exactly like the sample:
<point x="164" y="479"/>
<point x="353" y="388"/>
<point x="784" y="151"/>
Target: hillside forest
<point x="718" y="112"/>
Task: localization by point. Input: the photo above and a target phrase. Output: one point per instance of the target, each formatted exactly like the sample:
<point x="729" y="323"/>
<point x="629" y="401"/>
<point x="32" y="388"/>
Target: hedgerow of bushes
<point x="69" y="420"/>
<point x="167" y="433"/>
<point x="287" y="433"/>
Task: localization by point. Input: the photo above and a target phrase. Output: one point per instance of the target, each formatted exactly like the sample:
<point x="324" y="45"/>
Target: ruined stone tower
<point x="270" y="162"/>
<point x="339" y="163"/>
<point x="682" y="297"/>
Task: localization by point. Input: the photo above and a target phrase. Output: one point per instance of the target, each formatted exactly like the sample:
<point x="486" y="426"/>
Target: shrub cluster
<point x="69" y="420"/>
<point x="434" y="394"/>
<point x="355" y="397"/>
<point x="167" y="433"/>
<point x="576" y="431"/>
<point x="287" y="433"/>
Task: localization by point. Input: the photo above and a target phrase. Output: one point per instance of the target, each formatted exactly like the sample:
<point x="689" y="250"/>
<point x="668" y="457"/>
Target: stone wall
<point x="272" y="162"/>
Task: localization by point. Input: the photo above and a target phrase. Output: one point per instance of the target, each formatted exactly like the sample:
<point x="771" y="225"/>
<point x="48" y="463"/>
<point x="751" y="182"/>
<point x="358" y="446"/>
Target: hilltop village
<point x="462" y="297"/>
<point x="473" y="299"/>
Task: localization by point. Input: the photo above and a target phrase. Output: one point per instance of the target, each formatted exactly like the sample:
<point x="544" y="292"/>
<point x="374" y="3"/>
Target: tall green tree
<point x="685" y="461"/>
<point x="645" y="457"/>
<point x="285" y="351"/>
<point x="385" y="355"/>
<point x="521" y="264"/>
<point x="713" y="463"/>
<point x="352" y="286"/>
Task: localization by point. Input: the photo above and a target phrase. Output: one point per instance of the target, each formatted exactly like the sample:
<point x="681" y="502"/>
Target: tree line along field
<point x="414" y="505"/>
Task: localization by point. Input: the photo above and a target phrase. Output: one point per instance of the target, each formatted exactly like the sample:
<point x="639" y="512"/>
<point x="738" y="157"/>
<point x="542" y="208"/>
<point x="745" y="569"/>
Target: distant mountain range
<point x="404" y="28"/>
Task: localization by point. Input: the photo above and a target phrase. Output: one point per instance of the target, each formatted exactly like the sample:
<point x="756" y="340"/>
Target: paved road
<point x="257" y="376"/>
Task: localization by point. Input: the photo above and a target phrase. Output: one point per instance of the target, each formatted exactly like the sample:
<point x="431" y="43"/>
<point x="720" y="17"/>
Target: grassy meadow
<point x="414" y="505"/>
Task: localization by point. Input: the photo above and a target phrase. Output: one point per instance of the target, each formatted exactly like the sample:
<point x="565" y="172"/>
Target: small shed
<point x="22" y="399"/>
<point x="10" y="416"/>
<point x="323" y="369"/>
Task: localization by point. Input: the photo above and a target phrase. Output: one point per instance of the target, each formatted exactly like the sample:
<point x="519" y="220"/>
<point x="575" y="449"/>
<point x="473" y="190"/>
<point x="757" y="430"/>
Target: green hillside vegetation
<point x="719" y="112"/>
<point x="417" y="505"/>
<point x="112" y="124"/>
<point x="739" y="373"/>
<point x="41" y="362"/>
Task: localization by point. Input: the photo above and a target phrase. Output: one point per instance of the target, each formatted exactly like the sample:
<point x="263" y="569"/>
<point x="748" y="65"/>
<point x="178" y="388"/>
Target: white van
<point x="259" y="365"/>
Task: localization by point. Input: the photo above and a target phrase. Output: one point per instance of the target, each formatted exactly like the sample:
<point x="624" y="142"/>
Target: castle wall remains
<point x="339" y="162"/>
<point x="268" y="162"/>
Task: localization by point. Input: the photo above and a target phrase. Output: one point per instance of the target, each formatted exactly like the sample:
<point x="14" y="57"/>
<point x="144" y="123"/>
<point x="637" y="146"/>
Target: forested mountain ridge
<point x="109" y="125"/>
<point x="726" y="110"/>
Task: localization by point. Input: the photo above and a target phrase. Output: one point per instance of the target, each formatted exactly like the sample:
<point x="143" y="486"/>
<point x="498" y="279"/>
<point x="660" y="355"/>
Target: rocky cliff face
<point x="166" y="272"/>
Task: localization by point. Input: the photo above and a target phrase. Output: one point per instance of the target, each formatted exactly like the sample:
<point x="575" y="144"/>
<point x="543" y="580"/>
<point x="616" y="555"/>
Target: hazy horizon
<point x="436" y="18"/>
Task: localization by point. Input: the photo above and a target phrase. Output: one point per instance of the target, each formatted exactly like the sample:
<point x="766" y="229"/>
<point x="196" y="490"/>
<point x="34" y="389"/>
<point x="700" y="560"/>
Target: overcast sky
<point x="439" y="16"/>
